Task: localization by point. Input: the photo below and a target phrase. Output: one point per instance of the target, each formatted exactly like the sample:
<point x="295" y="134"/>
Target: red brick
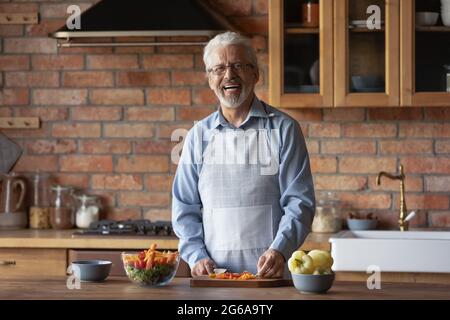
<point x="168" y="61"/>
<point x="19" y="7"/>
<point x="178" y="49"/>
<point x="159" y="182"/>
<point x="312" y="146"/>
<point x="330" y="130"/>
<point x="344" y="114"/>
<point x="44" y="113"/>
<point x="304" y="114"/>
<point x="32" y="79"/>
<point x="76" y="130"/>
<point x="388" y="219"/>
<point x="107" y="198"/>
<point x="117" y="96"/>
<point x="260" y="7"/>
<point x="395" y="114"/>
<point x="252" y="25"/>
<point x="144" y="199"/>
<point x="139" y="50"/>
<point x="439" y="219"/>
<point x="366" y="164"/>
<point x="169" y="96"/>
<point x="79" y="163"/>
<point x="29" y="45"/>
<point x="42" y="132"/>
<point x="412" y="184"/>
<point x="143" y="164"/>
<point x="426" y="164"/>
<point x="10" y="97"/>
<point x="88" y="79"/>
<point x="442" y="146"/>
<point x="59" y="96"/>
<point x="232" y="8"/>
<point x="158" y="214"/>
<point x="96" y="113"/>
<point x="425" y="130"/>
<point x="11" y="30"/>
<point x="340" y="182"/>
<point x="117" y="182"/>
<point x="259" y="43"/>
<point x="57" y="62"/>
<point x="187" y="78"/>
<point x="140" y="130"/>
<point x="204" y="96"/>
<point x="6" y="112"/>
<point x="29" y="163"/>
<point x="88" y="50"/>
<point x="14" y="62"/>
<point x="369" y="130"/>
<point x="194" y="113"/>
<point x="44" y="27"/>
<point x="58" y="146"/>
<point x="150" y="114"/>
<point x="123" y="213"/>
<point x="165" y="130"/>
<point x="105" y="146"/>
<point x="112" y="61"/>
<point x="348" y="146"/>
<point x="143" y="79"/>
<point x="423" y="201"/>
<point x="153" y="147"/>
<point x="405" y="146"/>
<point x="199" y="64"/>
<point x="320" y="164"/>
<point x="59" y="10"/>
<point x="80" y="181"/>
<point x="437" y="114"/>
<point x="365" y="201"/>
<point x="437" y="183"/>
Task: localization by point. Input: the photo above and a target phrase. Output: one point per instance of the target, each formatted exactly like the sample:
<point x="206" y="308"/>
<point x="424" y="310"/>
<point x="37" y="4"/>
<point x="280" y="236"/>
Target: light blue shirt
<point x="294" y="177"/>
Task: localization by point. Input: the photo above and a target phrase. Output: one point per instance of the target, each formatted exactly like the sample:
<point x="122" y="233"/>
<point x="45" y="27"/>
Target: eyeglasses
<point x="236" y="67"/>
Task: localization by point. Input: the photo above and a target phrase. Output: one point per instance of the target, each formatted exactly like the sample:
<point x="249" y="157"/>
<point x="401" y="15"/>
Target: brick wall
<point x="107" y="115"/>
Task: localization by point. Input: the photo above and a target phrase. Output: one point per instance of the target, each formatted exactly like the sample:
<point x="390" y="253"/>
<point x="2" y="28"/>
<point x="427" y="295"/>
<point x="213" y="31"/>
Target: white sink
<point x="391" y="251"/>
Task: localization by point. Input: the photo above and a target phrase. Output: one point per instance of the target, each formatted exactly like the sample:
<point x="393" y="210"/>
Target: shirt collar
<point x="257" y="109"/>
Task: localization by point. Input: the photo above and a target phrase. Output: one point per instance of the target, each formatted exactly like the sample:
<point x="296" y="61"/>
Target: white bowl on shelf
<point x="425" y="18"/>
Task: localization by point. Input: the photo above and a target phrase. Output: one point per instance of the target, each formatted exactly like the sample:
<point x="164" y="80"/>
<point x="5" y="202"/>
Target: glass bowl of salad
<point x="151" y="267"/>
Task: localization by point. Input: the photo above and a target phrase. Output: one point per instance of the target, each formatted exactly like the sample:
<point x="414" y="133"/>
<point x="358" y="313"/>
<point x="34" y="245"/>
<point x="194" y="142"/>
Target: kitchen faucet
<point x="402" y="222"/>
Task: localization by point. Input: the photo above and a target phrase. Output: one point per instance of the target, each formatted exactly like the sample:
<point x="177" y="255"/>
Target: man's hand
<point x="271" y="264"/>
<point x="204" y="266"/>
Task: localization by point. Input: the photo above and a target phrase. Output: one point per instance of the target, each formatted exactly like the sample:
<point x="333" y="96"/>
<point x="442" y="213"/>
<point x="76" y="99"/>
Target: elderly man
<point x="243" y="196"/>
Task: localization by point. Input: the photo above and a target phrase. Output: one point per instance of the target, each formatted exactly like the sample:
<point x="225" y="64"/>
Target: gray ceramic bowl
<point x="92" y="270"/>
<point x="312" y="283"/>
<point x="365" y="82"/>
<point x="362" y="224"/>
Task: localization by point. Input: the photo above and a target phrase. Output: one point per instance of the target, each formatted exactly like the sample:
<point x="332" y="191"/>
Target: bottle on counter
<point x="328" y="214"/>
<point x="62" y="207"/>
<point x="88" y="211"/>
<point x="39" y="215"/>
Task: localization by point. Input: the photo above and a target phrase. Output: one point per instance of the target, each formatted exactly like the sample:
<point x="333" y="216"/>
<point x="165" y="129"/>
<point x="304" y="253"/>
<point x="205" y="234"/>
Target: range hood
<point x="186" y="22"/>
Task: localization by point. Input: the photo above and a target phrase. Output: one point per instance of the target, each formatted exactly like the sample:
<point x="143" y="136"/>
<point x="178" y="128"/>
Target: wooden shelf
<point x="302" y="30"/>
<point x="364" y="29"/>
<point x="19" y="18"/>
<point x="432" y="29"/>
<point x="19" y="123"/>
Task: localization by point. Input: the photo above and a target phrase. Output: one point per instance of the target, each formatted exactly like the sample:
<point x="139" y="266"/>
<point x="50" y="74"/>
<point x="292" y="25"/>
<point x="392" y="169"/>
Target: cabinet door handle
<point x="7" y="262"/>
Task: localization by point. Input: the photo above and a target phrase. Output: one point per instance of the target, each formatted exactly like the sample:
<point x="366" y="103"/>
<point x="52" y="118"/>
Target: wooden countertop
<point x="29" y="238"/>
<point x="179" y="289"/>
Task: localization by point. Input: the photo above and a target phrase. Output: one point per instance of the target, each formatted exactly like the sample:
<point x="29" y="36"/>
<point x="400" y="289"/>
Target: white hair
<point x="226" y="39"/>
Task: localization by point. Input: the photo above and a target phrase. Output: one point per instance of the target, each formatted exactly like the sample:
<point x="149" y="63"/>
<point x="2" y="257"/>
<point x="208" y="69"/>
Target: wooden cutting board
<point x="206" y="281"/>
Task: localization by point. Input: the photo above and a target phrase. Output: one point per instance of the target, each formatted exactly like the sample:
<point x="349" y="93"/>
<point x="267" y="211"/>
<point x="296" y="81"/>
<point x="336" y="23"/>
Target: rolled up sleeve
<point x="186" y="205"/>
<point x="297" y="191"/>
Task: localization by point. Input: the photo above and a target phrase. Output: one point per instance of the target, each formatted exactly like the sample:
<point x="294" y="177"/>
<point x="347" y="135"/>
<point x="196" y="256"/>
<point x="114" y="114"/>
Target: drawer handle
<point x="7" y="262"/>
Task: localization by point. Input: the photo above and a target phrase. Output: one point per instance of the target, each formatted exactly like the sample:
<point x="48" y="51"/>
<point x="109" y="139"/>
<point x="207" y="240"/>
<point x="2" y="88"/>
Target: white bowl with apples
<point x="311" y="272"/>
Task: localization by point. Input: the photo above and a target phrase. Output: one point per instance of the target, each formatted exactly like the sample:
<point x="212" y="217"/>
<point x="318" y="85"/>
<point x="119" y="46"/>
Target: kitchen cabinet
<point x="32" y="263"/>
<point x="424" y="52"/>
<point x="370" y="53"/>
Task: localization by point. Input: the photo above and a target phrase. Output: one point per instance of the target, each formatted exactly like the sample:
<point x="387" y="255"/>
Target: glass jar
<point x="62" y="208"/>
<point x="328" y="214"/>
<point x="88" y="210"/>
<point x="39" y="217"/>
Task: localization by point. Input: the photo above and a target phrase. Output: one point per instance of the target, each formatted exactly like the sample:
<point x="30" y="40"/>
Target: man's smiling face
<point x="231" y="75"/>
